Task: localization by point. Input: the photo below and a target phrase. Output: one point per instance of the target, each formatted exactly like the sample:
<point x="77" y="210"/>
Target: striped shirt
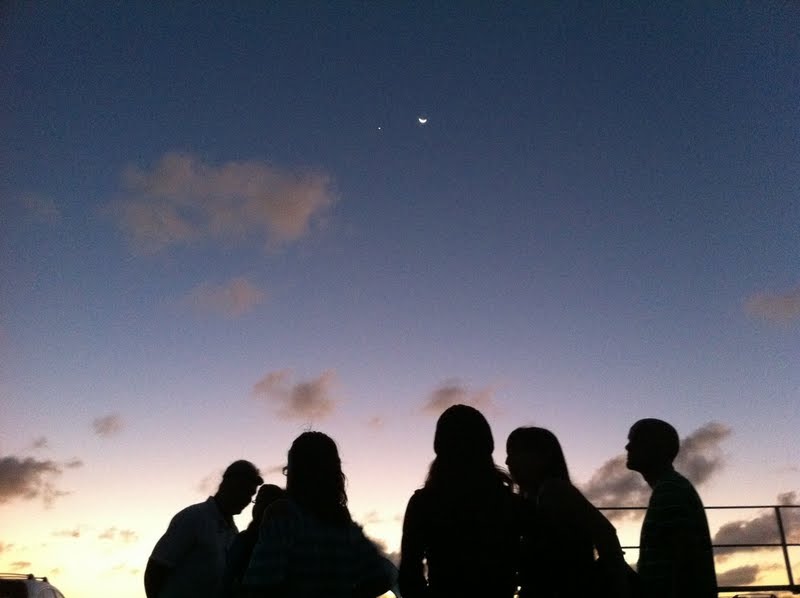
<point x="675" y="558"/>
<point x="308" y="558"/>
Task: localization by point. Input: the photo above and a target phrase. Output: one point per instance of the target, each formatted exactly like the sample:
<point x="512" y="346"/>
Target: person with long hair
<point x="308" y="544"/>
<point x="562" y="529"/>
<point x="460" y="534"/>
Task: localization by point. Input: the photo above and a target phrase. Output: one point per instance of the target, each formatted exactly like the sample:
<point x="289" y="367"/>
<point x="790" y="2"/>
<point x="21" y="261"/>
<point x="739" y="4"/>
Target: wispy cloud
<point x="108" y="425"/>
<point x="761" y="529"/>
<point x="67" y="533"/>
<point x="453" y="392"/>
<point x="376" y="422"/>
<point x="776" y="307"/>
<point x="307" y="400"/>
<point x="274" y="470"/>
<point x="231" y="299"/>
<point x="39" y="443"/>
<point x="26" y="478"/>
<point x="20" y="566"/>
<point x="371" y="518"/>
<point x="183" y="200"/>
<point x="4" y="547"/>
<point x="613" y="484"/>
<point x="121" y="535"/>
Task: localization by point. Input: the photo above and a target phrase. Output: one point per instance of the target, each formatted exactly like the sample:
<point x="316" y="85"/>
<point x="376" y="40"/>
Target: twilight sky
<point x="222" y="226"/>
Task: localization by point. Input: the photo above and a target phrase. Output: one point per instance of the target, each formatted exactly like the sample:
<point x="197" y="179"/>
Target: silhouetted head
<point x="463" y="445"/>
<point x="462" y="431"/>
<point x="652" y="446"/>
<point x="266" y="495"/>
<point x="533" y="456"/>
<point x="239" y="484"/>
<point x="314" y="477"/>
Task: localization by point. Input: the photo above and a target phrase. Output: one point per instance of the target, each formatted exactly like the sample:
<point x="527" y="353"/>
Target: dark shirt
<point x="238" y="558"/>
<point x="676" y="558"/>
<point x="561" y="533"/>
<point x="470" y="547"/>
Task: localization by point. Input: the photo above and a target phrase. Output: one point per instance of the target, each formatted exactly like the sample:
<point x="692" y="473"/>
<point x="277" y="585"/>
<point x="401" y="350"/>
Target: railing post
<point x="784" y="546"/>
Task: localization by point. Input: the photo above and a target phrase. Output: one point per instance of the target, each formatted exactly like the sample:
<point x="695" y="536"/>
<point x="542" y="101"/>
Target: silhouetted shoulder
<point x="560" y="495"/>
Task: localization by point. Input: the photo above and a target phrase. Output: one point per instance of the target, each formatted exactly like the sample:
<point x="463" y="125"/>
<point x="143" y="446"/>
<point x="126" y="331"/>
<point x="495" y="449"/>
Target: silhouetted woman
<point x="242" y="548"/>
<point x="563" y="529"/>
<point x="309" y="545"/>
<point x="460" y="534"/>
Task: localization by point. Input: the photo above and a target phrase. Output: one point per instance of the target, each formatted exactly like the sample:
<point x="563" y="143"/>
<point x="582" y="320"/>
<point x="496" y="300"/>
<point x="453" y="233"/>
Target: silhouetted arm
<point x="411" y="578"/>
<point x="155" y="576"/>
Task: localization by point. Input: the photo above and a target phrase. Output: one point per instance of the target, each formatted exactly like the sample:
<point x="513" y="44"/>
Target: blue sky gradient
<point x="598" y="222"/>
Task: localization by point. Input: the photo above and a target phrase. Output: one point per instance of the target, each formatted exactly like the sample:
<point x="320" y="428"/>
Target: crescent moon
<point x="422" y="120"/>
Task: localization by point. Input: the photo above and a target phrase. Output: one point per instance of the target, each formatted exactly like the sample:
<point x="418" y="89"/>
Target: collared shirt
<point x="195" y="547"/>
<point x="309" y="558"/>
<point x="675" y="554"/>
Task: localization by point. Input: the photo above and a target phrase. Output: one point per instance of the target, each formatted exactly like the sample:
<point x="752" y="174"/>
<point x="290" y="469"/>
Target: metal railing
<point x="783" y="543"/>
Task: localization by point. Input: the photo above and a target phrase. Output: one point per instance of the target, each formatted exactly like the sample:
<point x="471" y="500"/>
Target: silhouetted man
<point x="189" y="559"/>
<point x="675" y="555"/>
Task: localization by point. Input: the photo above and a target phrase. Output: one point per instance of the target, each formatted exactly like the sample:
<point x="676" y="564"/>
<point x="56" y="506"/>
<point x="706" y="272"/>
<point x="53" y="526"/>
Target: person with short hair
<point x="676" y="559"/>
<point x="189" y="559"/>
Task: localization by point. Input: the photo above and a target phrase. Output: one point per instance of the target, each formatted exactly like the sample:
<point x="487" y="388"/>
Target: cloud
<point x="613" y="484"/>
<point x="42" y="208"/>
<point x="761" y="529"/>
<point x="776" y="307"/>
<point x="123" y="535"/>
<point x="67" y="533"/>
<point x="739" y="576"/>
<point x="310" y="400"/>
<point x="700" y="456"/>
<point x="376" y="422"/>
<point x="231" y="299"/>
<point x="4" y="547"/>
<point x="452" y="392"/>
<point x="39" y="443"/>
<point x="274" y="470"/>
<point x="183" y="200"/>
<point x="209" y="484"/>
<point x="370" y="518"/>
<point x="108" y="425"/>
<point x="28" y="478"/>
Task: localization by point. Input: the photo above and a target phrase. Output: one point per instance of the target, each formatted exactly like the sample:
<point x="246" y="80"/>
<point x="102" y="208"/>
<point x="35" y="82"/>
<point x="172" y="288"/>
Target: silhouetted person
<point x="242" y="547"/>
<point x="460" y="536"/>
<point x="675" y="554"/>
<point x="562" y="528"/>
<point x="189" y="559"/>
<point x="308" y="545"/>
